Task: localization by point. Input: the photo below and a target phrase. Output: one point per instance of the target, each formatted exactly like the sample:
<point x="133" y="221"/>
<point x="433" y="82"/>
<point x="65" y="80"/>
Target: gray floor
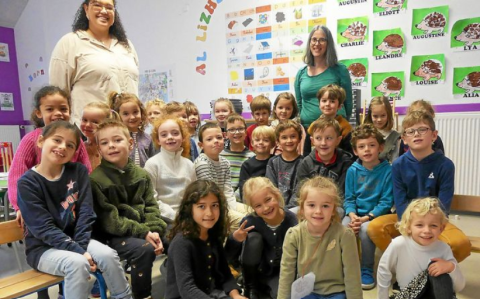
<point x="468" y="223"/>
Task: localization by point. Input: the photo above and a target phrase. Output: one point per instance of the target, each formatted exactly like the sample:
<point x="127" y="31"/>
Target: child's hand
<point x="155" y="241"/>
<point x="19" y="219"/>
<point x="236" y="295"/>
<point x="93" y="266"/>
<point x="241" y="233"/>
<point x="440" y="266"/>
<point x="355" y="223"/>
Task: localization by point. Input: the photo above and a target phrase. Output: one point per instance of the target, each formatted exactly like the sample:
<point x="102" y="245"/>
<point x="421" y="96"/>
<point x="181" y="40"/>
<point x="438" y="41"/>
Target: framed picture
<point x="4" y="54"/>
<point x="6" y="101"/>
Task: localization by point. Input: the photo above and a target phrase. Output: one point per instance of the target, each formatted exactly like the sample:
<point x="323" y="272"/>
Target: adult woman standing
<point x="322" y="69"/>
<point x="96" y="58"/>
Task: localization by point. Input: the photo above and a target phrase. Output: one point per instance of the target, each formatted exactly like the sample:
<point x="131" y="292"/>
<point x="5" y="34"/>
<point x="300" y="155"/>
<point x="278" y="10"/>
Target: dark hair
<point x="184" y="222"/>
<point x="366" y="131"/>
<point x="61" y="124"/>
<point x="206" y="127"/>
<point x="330" y="54"/>
<point x="37" y="101"/>
<point x="287" y="96"/>
<point x="81" y="23"/>
<point x="335" y="92"/>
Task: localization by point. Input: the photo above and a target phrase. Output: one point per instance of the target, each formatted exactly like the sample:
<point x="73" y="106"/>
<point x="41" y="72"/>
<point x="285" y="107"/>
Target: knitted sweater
<point x="236" y="160"/>
<point x="144" y="145"/>
<point x="28" y="154"/>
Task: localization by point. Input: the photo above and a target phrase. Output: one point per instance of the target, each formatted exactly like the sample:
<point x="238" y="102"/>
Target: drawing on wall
<point x="388" y="44"/>
<point x="389" y="85"/>
<point x="427" y="69"/>
<point x="6" y="101"/>
<point x="466" y="35"/>
<point x="389" y="7"/>
<point x="430" y="22"/>
<point x="4" y="54"/>
<point x="358" y="70"/>
<point x="466" y="82"/>
<point x="352" y="32"/>
<point x="156" y="84"/>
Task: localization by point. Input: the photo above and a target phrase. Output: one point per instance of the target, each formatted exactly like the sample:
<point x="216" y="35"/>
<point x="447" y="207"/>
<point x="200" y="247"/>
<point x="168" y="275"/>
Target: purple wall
<point x="9" y="82"/>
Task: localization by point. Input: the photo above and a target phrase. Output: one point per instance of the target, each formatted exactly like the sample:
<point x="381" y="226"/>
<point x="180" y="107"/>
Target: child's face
<point x="425" y="229"/>
<point x="318" y="209"/>
<point x="59" y="147"/>
<point x="170" y="136"/>
<point x="261" y="117"/>
<point x="114" y="146"/>
<point x="329" y="107"/>
<point x="284" y="109"/>
<point x="379" y="116"/>
<point x="193" y="120"/>
<point x="212" y="143"/>
<point x="206" y="212"/>
<point x="153" y="112"/>
<point x="325" y="142"/>
<point x="92" y="116"/>
<point x="266" y="205"/>
<point x="288" y="140"/>
<point x="182" y="115"/>
<point x="236" y="132"/>
<point x="368" y="151"/>
<point x="261" y="144"/>
<point x="222" y="111"/>
<point x="53" y="107"/>
<point x="131" y="115"/>
<point x="417" y="141"/>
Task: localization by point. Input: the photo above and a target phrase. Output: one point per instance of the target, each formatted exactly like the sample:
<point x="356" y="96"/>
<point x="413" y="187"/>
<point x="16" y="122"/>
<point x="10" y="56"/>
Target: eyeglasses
<point x="315" y="40"/>
<point x="235" y="130"/>
<point x="97" y="6"/>
<point x="411" y="132"/>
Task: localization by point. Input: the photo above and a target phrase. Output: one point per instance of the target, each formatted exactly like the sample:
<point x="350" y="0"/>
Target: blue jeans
<point x="340" y="295"/>
<point x="76" y="270"/>
<point x="368" y="247"/>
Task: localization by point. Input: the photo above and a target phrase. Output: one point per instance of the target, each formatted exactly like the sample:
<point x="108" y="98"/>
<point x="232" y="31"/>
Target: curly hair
<point x="380" y="101"/>
<point x="184" y="222"/>
<point x="155" y="102"/>
<point x="366" y="131"/>
<point x="48" y="90"/>
<point x="289" y="97"/>
<point x="183" y="131"/>
<point x="421" y="207"/>
<point x="327" y="186"/>
<point x="80" y="22"/>
<point x="255" y="185"/>
<point x="116" y="100"/>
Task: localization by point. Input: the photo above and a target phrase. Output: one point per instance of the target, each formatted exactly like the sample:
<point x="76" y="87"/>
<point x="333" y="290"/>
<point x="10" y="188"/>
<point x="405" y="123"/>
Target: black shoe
<point x="251" y="294"/>
<point x="395" y="288"/>
<point x="250" y="282"/>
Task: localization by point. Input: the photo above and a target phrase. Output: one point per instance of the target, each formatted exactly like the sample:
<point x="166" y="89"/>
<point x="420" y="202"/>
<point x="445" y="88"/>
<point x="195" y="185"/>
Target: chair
<point x="6" y="155"/>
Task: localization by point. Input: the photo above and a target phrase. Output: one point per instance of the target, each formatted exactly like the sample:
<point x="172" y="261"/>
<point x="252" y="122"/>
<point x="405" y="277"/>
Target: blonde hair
<point x="335" y="92"/>
<point x="421" y="105"/>
<point x="264" y="131"/>
<point x="111" y="123"/>
<point x="322" y="124"/>
<point x="380" y="101"/>
<point x="226" y="101"/>
<point x="116" y="100"/>
<point x="261" y="102"/>
<point x="421" y="207"/>
<point x="327" y="187"/>
<point x="155" y="102"/>
<point x="174" y="107"/>
<point x="107" y="112"/>
<point x="183" y="131"/>
<point x="417" y="117"/>
<point x="255" y="184"/>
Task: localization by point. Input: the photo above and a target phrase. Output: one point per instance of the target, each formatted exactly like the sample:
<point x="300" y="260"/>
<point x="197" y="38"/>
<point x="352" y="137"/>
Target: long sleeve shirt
<point x="283" y="174"/>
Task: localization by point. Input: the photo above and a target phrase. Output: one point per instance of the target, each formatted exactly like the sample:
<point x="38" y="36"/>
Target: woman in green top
<point x="322" y="69"/>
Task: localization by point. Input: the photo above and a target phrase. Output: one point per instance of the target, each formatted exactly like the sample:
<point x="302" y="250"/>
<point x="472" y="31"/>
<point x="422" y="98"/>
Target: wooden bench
<point x="475" y="241"/>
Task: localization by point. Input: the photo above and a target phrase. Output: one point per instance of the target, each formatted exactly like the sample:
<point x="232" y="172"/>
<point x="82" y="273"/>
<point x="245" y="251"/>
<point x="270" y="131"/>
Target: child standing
<point x="320" y="244"/>
<point x="134" y="116"/>
<point x="261" y="108"/>
<point x="262" y="234"/>
<point x="419" y="252"/>
<point x="179" y="110"/>
<point x="263" y="141"/>
<point x="128" y="215"/>
<point x="56" y="201"/>
<point x="222" y="108"/>
<point x="194" y="123"/>
<point x="171" y="170"/>
<point x="197" y="264"/>
<point x="154" y="111"/>
<point x="380" y="114"/>
<point x="368" y="193"/>
<point x="93" y="114"/>
<point x="282" y="169"/>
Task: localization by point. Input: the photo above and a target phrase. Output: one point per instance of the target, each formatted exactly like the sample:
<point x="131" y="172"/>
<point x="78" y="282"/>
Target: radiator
<point x="460" y="134"/>
<point x="10" y="134"/>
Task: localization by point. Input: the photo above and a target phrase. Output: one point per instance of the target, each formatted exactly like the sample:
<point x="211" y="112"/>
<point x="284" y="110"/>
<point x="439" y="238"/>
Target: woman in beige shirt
<point x="96" y="58"/>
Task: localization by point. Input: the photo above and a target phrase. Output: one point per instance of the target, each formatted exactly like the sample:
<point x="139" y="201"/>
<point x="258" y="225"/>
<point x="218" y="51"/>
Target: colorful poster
<point x="156" y="84"/>
<point x="390" y="85"/>
<point x="389" y="7"/>
<point x="352" y="32"/>
<point x="428" y="69"/>
<point x="466" y="82"/>
<point x="350" y="2"/>
<point x="4" y="54"/>
<point x="466" y="35"/>
<point x="430" y="22"/>
<point x="358" y="70"/>
<point x="6" y="101"/>
<point x="388" y="44"/>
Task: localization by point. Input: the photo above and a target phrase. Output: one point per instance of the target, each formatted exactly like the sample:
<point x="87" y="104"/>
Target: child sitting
<point x="368" y="193"/>
<point x="128" y="215"/>
<point x="423" y="265"/>
<point x="179" y="110"/>
<point x="261" y="108"/>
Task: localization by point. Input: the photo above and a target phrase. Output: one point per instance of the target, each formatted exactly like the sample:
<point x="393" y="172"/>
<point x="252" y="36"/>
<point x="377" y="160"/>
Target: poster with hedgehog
<point x="466" y="35"/>
<point x="427" y="70"/>
<point x="350" y="2"/>
<point x="358" y="70"/>
<point x="466" y="82"/>
<point x="388" y="44"/>
<point x="352" y="32"/>
<point x="390" y="85"/>
<point x="383" y="8"/>
<point x="430" y="22"/>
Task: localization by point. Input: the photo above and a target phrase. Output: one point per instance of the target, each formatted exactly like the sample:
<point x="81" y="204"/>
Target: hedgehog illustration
<point x="431" y="68"/>
<point x="471" y="82"/>
<point x="355" y="31"/>
<point x="390" y="86"/>
<point x="357" y="72"/>
<point x="470" y="34"/>
<point x="390" y="5"/>
<point x="391" y="43"/>
<point x="434" y="21"/>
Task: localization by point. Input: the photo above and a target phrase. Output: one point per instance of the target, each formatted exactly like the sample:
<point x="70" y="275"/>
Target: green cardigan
<point x="124" y="201"/>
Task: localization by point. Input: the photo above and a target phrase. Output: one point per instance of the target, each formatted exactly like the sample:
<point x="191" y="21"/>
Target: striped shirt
<point x="137" y="154"/>
<point x="236" y="160"/>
